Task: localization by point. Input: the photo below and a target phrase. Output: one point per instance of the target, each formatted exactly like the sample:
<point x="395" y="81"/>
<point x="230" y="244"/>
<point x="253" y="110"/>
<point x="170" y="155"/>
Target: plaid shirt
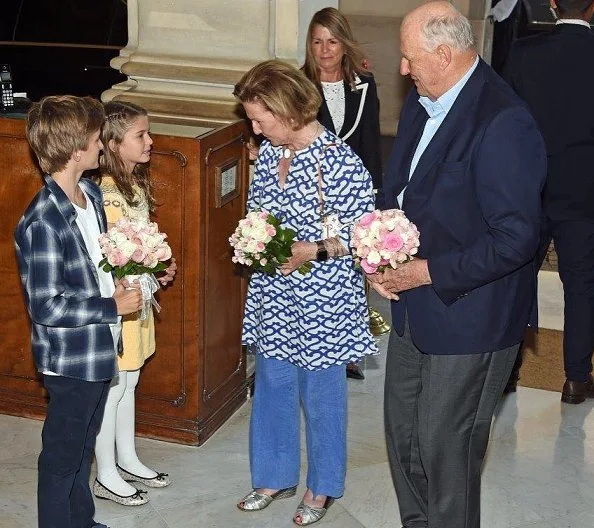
<point x="70" y="333"/>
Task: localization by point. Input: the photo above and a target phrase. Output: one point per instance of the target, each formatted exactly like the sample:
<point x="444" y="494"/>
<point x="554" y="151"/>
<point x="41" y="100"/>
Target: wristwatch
<point x="322" y="253"/>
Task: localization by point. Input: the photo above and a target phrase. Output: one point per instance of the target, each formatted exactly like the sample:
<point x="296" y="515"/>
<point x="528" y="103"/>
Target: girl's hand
<point x="302" y="252"/>
<point x="169" y="273"/>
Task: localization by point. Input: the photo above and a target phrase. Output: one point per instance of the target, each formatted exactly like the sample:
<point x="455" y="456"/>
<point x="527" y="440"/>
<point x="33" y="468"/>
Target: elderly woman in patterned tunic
<point x="303" y="329"/>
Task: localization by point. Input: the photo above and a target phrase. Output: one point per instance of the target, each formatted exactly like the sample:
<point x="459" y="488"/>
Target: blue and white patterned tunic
<point x="320" y="319"/>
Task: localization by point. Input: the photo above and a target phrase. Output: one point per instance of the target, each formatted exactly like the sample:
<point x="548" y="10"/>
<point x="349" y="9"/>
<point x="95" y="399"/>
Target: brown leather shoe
<point x="577" y="391"/>
<point x="512" y="386"/>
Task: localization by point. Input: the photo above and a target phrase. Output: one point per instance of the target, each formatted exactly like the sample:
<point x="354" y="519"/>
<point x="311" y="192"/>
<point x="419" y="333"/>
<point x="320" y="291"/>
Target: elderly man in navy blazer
<point x="467" y="167"/>
<point x="550" y="71"/>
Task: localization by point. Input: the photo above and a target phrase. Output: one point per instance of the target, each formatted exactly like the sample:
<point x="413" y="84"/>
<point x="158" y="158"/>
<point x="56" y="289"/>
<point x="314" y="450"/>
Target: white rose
<point x="374" y="257"/>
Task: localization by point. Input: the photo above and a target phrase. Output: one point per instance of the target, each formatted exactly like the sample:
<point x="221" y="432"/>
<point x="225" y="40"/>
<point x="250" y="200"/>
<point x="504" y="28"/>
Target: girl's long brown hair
<point x="119" y="117"/>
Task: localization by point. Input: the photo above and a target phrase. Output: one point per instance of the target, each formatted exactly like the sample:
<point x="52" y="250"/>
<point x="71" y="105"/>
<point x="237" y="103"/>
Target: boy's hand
<point x="127" y="300"/>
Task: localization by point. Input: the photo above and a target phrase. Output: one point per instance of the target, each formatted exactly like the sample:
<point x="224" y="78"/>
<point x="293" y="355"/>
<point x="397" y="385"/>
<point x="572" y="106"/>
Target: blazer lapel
<point x="401" y="156"/>
<point x="354" y="101"/>
<point x="351" y="105"/>
<point x="453" y="121"/>
<point x="324" y="115"/>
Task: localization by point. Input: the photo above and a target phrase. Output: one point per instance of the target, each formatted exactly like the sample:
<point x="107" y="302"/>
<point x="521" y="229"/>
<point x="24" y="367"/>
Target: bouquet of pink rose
<point x="133" y="247"/>
<point x="260" y="242"/>
<point x="383" y="239"/>
<point x="136" y="249"/>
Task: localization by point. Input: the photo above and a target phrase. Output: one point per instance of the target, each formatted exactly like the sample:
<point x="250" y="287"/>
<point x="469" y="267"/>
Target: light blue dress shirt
<point x="437" y="110"/>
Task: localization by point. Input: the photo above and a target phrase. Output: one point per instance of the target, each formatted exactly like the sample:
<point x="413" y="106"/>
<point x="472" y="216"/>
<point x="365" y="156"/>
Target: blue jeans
<point x="73" y="418"/>
<point x="275" y="426"/>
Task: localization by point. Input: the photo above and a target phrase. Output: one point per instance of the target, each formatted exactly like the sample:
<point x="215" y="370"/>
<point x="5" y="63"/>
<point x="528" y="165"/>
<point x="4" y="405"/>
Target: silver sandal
<point x="255" y="501"/>
<point x="311" y="514"/>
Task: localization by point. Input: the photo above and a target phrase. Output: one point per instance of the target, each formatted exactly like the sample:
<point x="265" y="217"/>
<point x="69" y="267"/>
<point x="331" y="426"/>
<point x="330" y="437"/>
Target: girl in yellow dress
<point x="127" y="192"/>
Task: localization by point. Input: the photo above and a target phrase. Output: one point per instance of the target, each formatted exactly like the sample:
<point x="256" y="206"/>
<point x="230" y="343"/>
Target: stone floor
<point x="538" y="473"/>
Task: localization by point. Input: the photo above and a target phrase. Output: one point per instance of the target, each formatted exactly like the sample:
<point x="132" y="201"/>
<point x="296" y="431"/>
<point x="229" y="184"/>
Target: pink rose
<point x="367" y="219"/>
<point x="368" y="268"/>
<point x="139" y="255"/>
<point x="117" y="257"/>
<point x="163" y="253"/>
<point x="392" y="242"/>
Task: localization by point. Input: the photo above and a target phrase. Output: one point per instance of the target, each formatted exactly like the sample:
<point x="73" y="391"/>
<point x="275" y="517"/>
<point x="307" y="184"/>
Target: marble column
<point x="184" y="56"/>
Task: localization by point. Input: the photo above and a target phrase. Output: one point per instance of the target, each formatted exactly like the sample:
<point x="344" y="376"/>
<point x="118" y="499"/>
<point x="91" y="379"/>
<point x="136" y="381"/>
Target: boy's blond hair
<point x="59" y="125"/>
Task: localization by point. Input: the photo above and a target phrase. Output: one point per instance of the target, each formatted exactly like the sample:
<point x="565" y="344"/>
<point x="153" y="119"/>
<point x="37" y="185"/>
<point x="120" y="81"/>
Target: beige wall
<point x="392" y="8"/>
<point x="376" y="25"/>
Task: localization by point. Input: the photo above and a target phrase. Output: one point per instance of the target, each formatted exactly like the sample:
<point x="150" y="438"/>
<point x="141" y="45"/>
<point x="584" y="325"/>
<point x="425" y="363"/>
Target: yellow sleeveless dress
<point x="138" y="337"/>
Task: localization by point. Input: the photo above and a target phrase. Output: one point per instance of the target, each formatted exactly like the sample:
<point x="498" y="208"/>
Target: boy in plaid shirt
<point x="74" y="305"/>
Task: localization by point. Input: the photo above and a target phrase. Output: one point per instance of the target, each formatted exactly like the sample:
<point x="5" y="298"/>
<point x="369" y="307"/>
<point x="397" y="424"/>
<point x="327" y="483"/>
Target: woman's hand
<point x="253" y="149"/>
<point x="302" y="252"/>
<point x="169" y="273"/>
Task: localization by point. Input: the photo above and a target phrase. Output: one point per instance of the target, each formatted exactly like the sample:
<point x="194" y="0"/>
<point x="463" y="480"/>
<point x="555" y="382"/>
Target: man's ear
<point x="444" y="53"/>
<point x="76" y="155"/>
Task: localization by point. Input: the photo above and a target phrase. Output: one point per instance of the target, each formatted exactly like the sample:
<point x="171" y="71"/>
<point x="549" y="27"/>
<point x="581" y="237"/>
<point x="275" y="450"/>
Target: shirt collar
<point x="64" y="204"/>
<point x="577" y="21"/>
<point x="444" y="103"/>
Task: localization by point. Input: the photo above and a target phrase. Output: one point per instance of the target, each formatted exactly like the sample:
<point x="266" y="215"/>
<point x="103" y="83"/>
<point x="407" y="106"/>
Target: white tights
<point x="117" y="430"/>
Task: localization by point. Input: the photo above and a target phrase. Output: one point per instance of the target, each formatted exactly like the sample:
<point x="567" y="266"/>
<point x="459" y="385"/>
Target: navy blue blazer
<point x="475" y="198"/>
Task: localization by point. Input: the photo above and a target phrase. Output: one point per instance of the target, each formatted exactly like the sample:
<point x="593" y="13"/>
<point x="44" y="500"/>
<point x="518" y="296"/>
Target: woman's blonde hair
<point x="352" y="61"/>
<point x="119" y="118"/>
<point x="283" y="90"/>
<point x="59" y="125"/>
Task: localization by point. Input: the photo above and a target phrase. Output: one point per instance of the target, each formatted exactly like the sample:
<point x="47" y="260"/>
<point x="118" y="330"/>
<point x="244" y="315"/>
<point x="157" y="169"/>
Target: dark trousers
<point x="438" y="412"/>
<point x="73" y="419"/>
<point x="574" y="244"/>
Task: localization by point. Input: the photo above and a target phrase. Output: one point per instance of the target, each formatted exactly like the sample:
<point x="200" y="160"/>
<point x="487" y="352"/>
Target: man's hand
<point x="406" y="277"/>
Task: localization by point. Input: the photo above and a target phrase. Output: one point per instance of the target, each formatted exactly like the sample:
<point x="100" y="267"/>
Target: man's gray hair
<point x="452" y="29"/>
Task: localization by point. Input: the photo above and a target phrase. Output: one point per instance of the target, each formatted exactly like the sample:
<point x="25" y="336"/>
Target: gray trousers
<point x="438" y="411"/>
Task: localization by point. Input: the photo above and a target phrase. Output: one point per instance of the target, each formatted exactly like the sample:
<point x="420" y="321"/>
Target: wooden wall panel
<point x="197" y="378"/>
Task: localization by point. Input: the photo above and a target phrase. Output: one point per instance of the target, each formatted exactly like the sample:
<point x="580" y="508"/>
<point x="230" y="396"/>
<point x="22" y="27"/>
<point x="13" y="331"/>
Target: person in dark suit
<point x="335" y="63"/>
<point x="549" y="71"/>
<point x="468" y="166"/>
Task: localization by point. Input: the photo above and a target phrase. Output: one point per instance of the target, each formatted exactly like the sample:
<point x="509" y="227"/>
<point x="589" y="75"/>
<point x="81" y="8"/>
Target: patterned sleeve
<point x="348" y="188"/>
<point x="113" y="202"/>
<point x="44" y="284"/>
<point x="255" y="189"/>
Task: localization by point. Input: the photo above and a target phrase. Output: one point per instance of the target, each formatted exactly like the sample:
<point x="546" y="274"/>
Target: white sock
<point x="105" y="445"/>
<point x="124" y="431"/>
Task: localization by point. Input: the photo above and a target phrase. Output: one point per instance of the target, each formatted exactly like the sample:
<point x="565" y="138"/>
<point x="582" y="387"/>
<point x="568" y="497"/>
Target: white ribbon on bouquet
<point x="148" y="286"/>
